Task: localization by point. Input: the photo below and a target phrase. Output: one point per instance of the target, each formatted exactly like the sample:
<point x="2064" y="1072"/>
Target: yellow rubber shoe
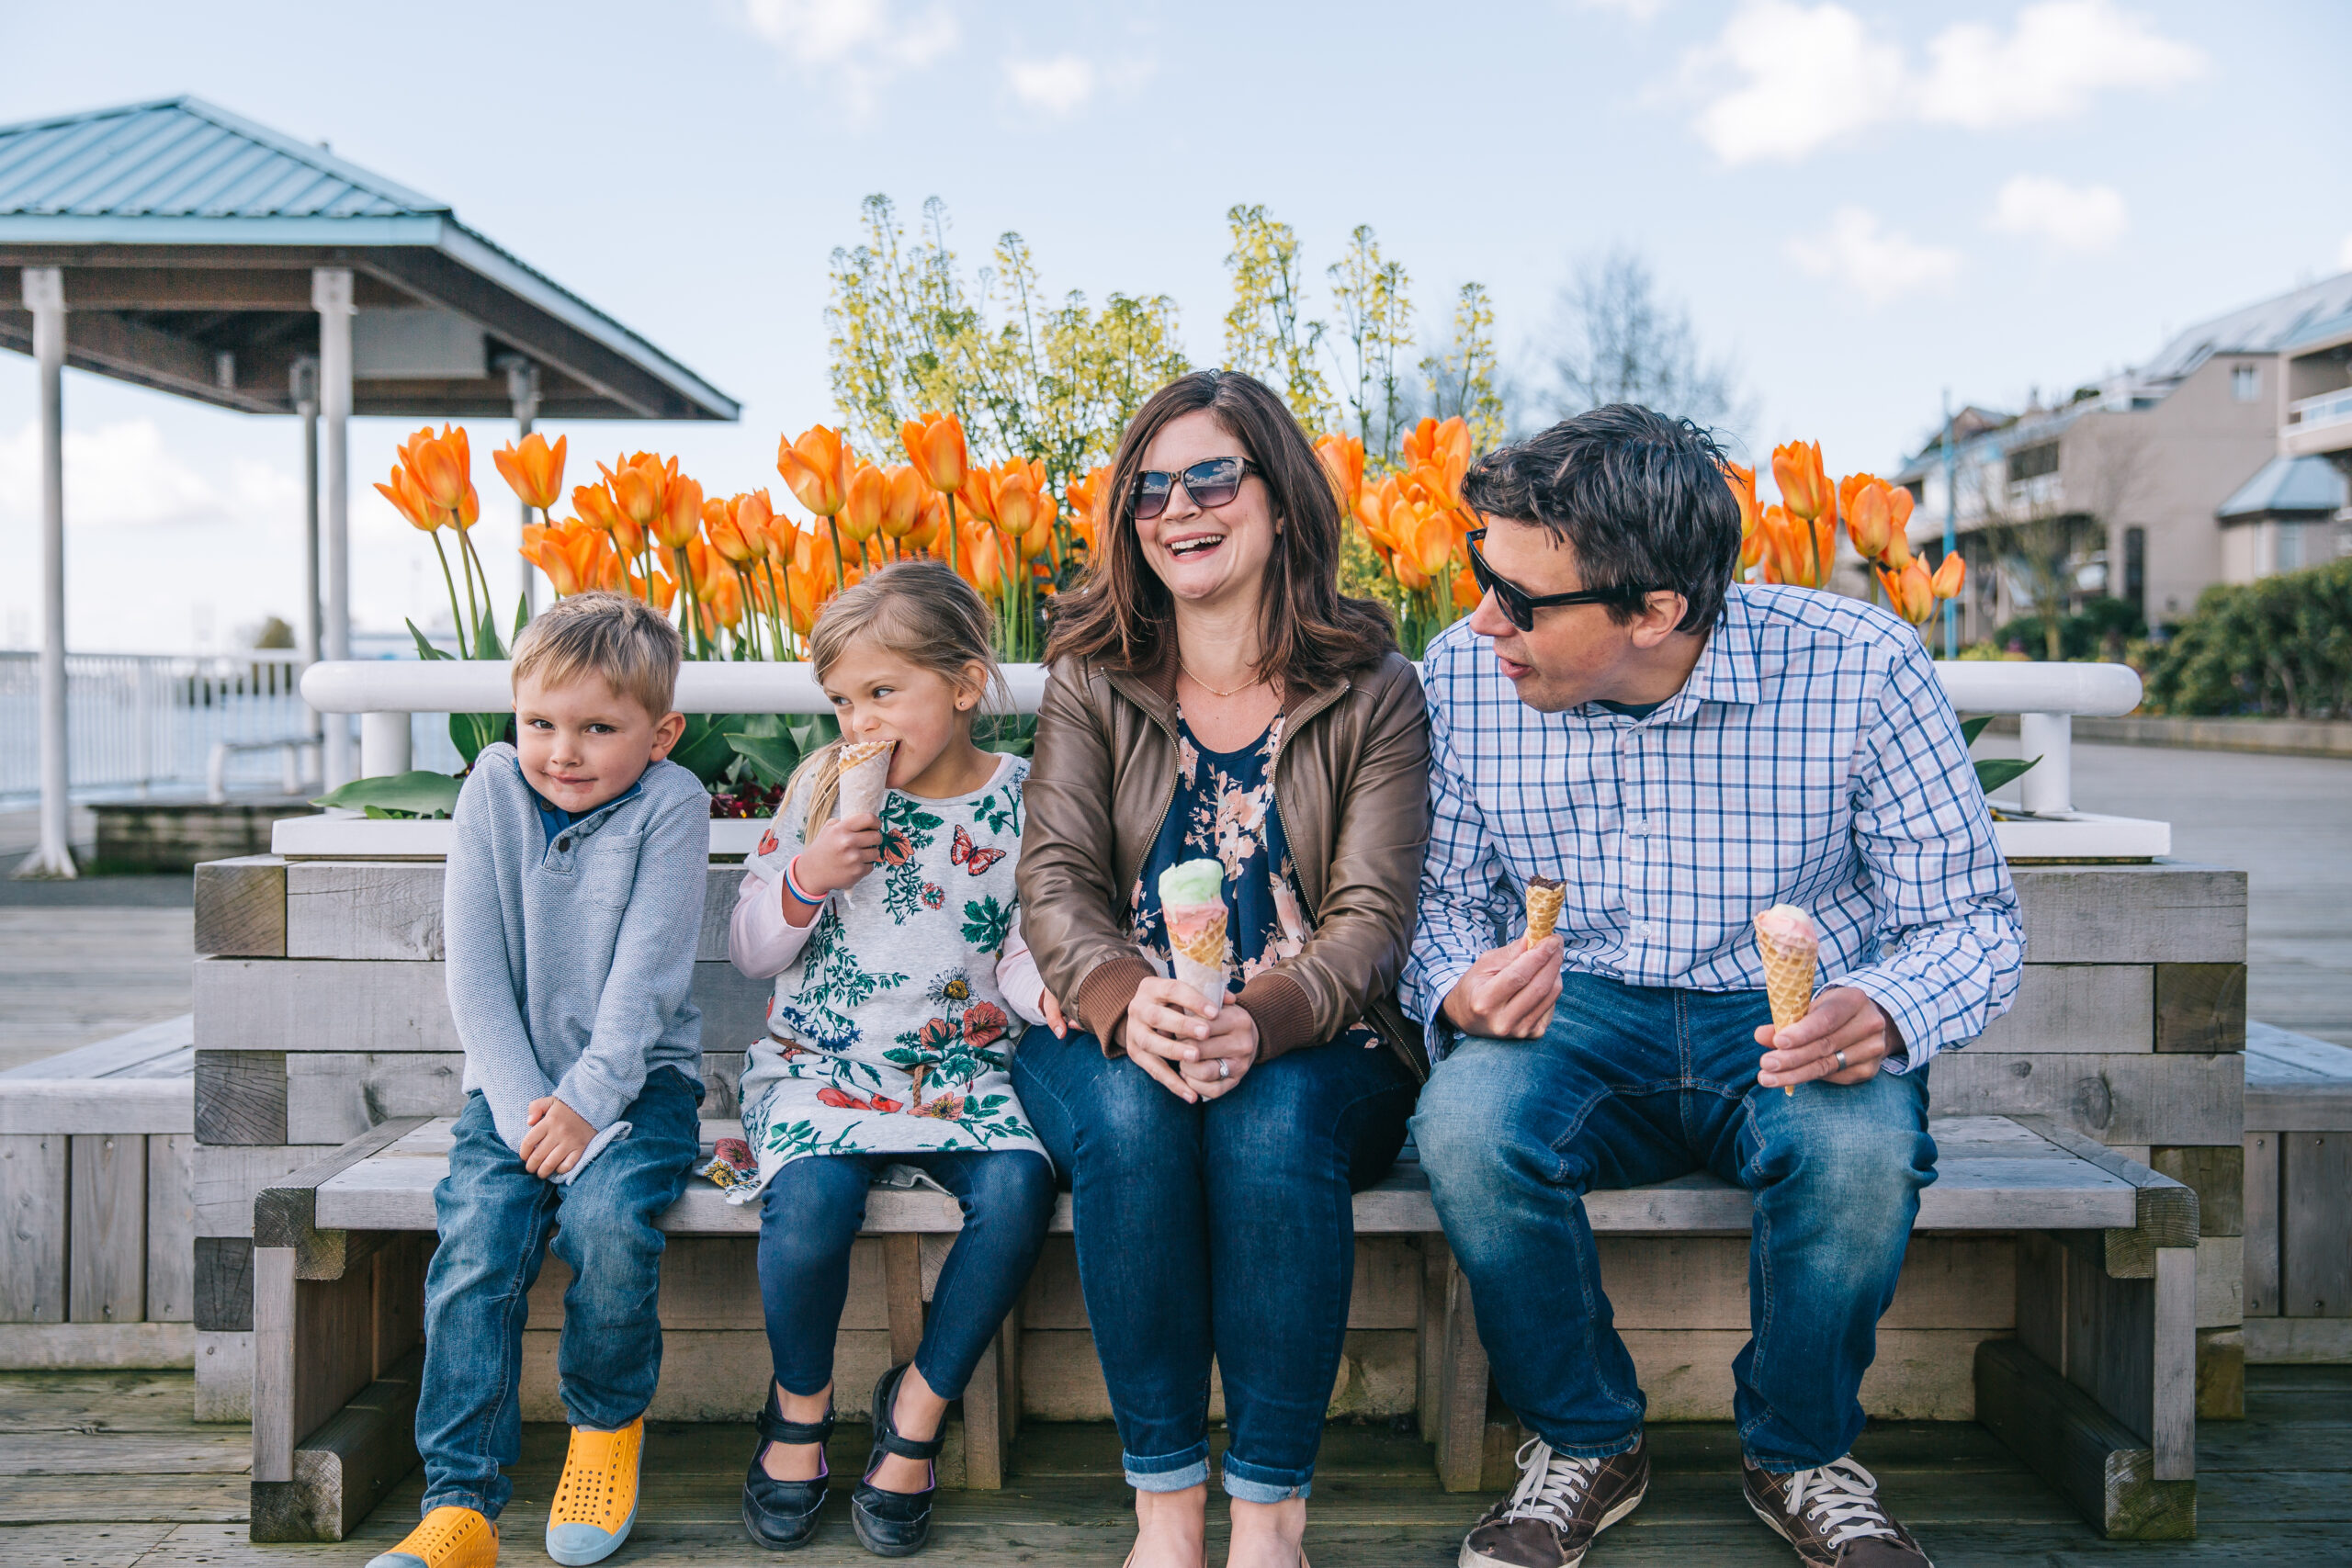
<point x="448" y="1537"/>
<point x="595" y="1503"/>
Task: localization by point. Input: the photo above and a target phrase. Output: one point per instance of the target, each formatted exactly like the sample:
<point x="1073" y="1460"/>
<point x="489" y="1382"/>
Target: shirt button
<point x="563" y="843"/>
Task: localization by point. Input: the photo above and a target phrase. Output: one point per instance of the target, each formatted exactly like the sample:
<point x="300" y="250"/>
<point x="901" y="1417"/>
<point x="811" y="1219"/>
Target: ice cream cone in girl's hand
<point x="865" y="776"/>
<point x="1790" y="946"/>
<point x="1192" y="900"/>
<point x="1545" y="897"/>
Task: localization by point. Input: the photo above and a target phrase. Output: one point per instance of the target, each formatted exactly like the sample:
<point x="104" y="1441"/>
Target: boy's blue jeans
<point x="495" y="1220"/>
<point x="811" y="1212"/>
<point x="1223" y="1229"/>
<point x="1634" y="1085"/>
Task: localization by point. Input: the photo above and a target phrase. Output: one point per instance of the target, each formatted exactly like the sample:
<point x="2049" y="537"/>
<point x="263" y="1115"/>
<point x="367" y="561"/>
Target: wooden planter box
<point x="2298" y="1198"/>
<point x="98" y="1222"/>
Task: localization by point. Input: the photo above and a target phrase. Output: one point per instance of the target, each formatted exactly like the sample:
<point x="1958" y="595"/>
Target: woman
<point x="1214" y="696"/>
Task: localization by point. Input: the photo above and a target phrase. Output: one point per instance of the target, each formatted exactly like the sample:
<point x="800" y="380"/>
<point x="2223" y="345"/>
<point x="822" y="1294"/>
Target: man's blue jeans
<point x="810" y="1213"/>
<point x="1632" y="1085"/>
<point x="495" y="1220"/>
<point x="1222" y="1228"/>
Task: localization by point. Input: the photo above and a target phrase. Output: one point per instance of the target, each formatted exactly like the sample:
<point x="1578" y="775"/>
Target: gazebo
<point x="178" y="247"/>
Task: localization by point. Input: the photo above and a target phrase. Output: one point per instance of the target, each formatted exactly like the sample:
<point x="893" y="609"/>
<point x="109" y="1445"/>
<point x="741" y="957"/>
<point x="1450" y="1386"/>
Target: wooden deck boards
<point x="105" y="1471"/>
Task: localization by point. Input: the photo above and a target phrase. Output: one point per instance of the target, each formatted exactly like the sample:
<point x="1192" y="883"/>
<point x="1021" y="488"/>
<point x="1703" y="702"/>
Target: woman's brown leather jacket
<point x="1351" y="783"/>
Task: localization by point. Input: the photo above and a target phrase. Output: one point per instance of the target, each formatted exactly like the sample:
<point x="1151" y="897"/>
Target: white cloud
<point x="116" y="475"/>
<point x="1877" y="263"/>
<point x="1810" y="77"/>
<point x="1058" y="86"/>
<point x="856" y="44"/>
<point x="1785" y="80"/>
<point x="2073" y="218"/>
<point x="1633" y="10"/>
<point x="2063" y="52"/>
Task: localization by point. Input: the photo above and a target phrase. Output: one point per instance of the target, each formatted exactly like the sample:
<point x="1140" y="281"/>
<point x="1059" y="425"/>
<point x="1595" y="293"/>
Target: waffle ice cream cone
<point x="1192" y="902"/>
<point x="1545" y="897"/>
<point x="865" y="776"/>
<point x="1790" y="945"/>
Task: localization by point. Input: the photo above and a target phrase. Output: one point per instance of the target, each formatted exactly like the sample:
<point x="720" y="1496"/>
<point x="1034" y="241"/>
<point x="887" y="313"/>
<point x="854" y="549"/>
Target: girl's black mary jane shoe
<point x="782" y="1515"/>
<point x="893" y="1524"/>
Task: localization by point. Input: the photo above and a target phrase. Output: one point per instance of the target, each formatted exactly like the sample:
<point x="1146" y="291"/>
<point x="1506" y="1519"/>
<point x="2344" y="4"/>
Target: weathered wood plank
<point x="347" y="1466"/>
<point x="2262" y="1225"/>
<point x="2220" y="1374"/>
<point x="229" y="1175"/>
<point x="2272" y="1341"/>
<point x="224" y="1284"/>
<point x="2221" y="1281"/>
<point x="224" y="1376"/>
<point x="240" y="1098"/>
<point x="285" y="1213"/>
<point x="33" y="1228"/>
<point x="2097" y="1464"/>
<point x="2201" y="1007"/>
<point x="2315" y="1224"/>
<point x="2171" y="912"/>
<point x="171" y="1229"/>
<point x="74" y="1346"/>
<point x="150" y="1051"/>
<point x="107" y="1236"/>
<point x="98" y="1105"/>
<point x="392" y="910"/>
<point x="2171" y="1099"/>
<point x="2216" y="1173"/>
<point x="260" y="1004"/>
<point x="2084" y="1008"/>
<point x="240" y="906"/>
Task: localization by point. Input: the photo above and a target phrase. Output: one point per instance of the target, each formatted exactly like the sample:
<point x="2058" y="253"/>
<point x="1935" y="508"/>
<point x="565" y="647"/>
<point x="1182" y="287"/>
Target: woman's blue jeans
<point x="811" y="1212"/>
<point x="495" y="1220"/>
<point x="1631" y="1086"/>
<point x="1223" y="1229"/>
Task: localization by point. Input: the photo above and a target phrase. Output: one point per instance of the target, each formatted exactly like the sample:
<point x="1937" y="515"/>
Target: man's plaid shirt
<point x="1811" y="759"/>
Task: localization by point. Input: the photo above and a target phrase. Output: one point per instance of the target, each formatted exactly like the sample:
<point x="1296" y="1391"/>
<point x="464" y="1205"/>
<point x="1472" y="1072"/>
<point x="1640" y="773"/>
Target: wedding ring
<point x="1841" y="1059"/>
<point x="1224" y="1067"/>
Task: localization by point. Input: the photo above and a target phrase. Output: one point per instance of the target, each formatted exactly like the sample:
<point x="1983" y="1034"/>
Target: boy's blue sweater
<point x="570" y="955"/>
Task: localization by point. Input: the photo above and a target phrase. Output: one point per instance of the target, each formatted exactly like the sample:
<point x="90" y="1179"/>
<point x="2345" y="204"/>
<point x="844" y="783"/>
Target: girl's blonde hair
<point x="917" y="610"/>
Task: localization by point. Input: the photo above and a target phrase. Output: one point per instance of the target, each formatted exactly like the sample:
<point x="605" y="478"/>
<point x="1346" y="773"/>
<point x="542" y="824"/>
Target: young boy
<point x="573" y="897"/>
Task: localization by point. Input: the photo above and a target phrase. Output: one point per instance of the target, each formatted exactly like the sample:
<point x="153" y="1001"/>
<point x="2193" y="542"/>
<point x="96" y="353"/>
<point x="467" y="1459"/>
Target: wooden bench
<point x="2096" y="1389"/>
<point x="2298" y="1198"/>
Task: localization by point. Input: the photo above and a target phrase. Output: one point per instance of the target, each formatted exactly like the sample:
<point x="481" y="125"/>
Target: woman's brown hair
<point x="1310" y="634"/>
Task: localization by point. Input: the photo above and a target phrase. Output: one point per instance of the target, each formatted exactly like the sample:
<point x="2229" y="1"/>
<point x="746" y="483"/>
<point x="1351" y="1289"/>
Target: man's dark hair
<point x="1641" y="497"/>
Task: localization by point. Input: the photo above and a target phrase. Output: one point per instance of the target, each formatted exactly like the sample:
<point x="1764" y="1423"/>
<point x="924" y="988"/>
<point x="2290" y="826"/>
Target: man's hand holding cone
<point x="1839" y="1035"/>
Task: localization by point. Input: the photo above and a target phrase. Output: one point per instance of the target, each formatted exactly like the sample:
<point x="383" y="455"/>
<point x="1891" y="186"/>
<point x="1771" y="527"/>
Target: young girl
<point x="897" y="953"/>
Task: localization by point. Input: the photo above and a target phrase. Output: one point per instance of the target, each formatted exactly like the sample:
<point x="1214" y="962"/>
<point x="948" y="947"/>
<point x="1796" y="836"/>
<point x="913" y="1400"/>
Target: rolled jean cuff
<point x="1246" y="1482"/>
<point x="1167" y="1473"/>
<point x="1608" y="1449"/>
<point x="474" y="1500"/>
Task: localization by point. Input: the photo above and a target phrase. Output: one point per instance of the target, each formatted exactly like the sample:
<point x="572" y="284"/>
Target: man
<point x="1684" y="753"/>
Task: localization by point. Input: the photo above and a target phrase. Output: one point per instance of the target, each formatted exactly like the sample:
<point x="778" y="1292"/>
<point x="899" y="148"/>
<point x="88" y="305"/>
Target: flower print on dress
<point x="1188" y="760"/>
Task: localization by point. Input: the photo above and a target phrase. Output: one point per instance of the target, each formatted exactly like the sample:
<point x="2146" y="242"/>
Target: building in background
<point x="2222" y="459"/>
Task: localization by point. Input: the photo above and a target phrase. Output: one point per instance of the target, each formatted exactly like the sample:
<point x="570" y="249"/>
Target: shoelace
<point x="1841" y="1498"/>
<point x="1549" y="1485"/>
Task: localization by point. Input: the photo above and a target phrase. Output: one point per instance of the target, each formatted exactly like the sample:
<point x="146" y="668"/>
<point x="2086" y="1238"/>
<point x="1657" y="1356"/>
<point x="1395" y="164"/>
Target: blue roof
<point x="184" y="158"/>
<point x="2311" y="485"/>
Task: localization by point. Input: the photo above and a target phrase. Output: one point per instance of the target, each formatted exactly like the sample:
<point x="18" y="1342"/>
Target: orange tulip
<point x="903" y="499"/>
<point x="1086" y="506"/>
<point x="1444" y="448"/>
<point x="408" y="498"/>
<point x="469" y="511"/>
<point x="440" y="464"/>
<point x="934" y="445"/>
<point x="817" y="467"/>
<point x="978" y="495"/>
<point x="1911" y="592"/>
<point x="865" y="500"/>
<point x="1016" y="511"/>
<point x="534" y="470"/>
<point x="1949" y="578"/>
<point x="680" y="519"/>
<point x="727" y="535"/>
<point x="1805" y="489"/>
<point x="1343" y="461"/>
<point x="1870" y="518"/>
<point x="640" y="488"/>
<point x="1898" y="554"/>
<point x="755" y="515"/>
<point x="929" y="521"/>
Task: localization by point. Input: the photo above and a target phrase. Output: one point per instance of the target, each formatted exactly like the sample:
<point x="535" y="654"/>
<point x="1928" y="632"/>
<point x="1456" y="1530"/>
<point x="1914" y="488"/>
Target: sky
<point x="1864" y="205"/>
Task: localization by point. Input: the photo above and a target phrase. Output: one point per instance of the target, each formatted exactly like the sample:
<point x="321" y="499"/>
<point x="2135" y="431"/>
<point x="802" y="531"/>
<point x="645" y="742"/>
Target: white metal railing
<point x="384" y="693"/>
<point x="2328" y="408"/>
<point x="136" y="721"/>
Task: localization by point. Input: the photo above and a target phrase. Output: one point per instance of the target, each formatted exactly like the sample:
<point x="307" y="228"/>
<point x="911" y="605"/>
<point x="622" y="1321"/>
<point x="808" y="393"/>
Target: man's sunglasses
<point x="1521" y="606"/>
<point x="1210" y="484"/>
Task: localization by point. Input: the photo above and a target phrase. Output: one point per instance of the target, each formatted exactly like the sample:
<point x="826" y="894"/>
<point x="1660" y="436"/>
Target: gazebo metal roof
<point x="188" y="236"/>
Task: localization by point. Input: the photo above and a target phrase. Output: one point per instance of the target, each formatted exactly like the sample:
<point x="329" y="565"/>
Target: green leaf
<point x="521" y="613"/>
<point x="815" y="731"/>
<point x="1969" y="728"/>
<point x="703" y="750"/>
<point x="1013" y="733"/>
<point x="770" y="758"/>
<point x="470" y="732"/>
<point x="1992" y="773"/>
<point x="486" y="643"/>
<point x="425" y="649"/>
<point x="421" y="792"/>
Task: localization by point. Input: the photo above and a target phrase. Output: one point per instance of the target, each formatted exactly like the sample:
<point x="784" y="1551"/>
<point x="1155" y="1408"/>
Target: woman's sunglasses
<point x="1210" y="484"/>
<point x="1521" y="606"/>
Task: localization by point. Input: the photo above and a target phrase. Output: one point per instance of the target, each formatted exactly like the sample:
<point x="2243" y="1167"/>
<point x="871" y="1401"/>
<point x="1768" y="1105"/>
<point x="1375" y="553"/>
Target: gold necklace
<point x="1212" y="691"/>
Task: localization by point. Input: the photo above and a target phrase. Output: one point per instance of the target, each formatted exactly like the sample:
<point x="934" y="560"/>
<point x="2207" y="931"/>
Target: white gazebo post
<point x="305" y="387"/>
<point x="331" y="296"/>
<point x="45" y="298"/>
<point x="523" y="388"/>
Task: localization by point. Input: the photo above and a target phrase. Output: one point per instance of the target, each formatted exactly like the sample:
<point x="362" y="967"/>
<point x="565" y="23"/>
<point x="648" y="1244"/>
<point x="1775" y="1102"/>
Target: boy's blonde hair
<point x="919" y="610"/>
<point x="623" y="640"/>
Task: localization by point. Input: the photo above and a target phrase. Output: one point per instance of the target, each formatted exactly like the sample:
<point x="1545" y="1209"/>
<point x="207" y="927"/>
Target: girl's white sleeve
<point x="1017" y="979"/>
<point x="760" y="941"/>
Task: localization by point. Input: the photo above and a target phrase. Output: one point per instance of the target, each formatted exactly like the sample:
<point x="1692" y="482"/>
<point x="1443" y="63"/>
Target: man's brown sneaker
<point x="1831" y="1514"/>
<point x="1559" y="1505"/>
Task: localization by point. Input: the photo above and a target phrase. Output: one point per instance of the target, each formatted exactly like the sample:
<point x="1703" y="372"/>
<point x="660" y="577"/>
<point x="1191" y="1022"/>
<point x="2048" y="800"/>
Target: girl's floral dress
<point x="1225" y="811"/>
<point x="888" y="1033"/>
